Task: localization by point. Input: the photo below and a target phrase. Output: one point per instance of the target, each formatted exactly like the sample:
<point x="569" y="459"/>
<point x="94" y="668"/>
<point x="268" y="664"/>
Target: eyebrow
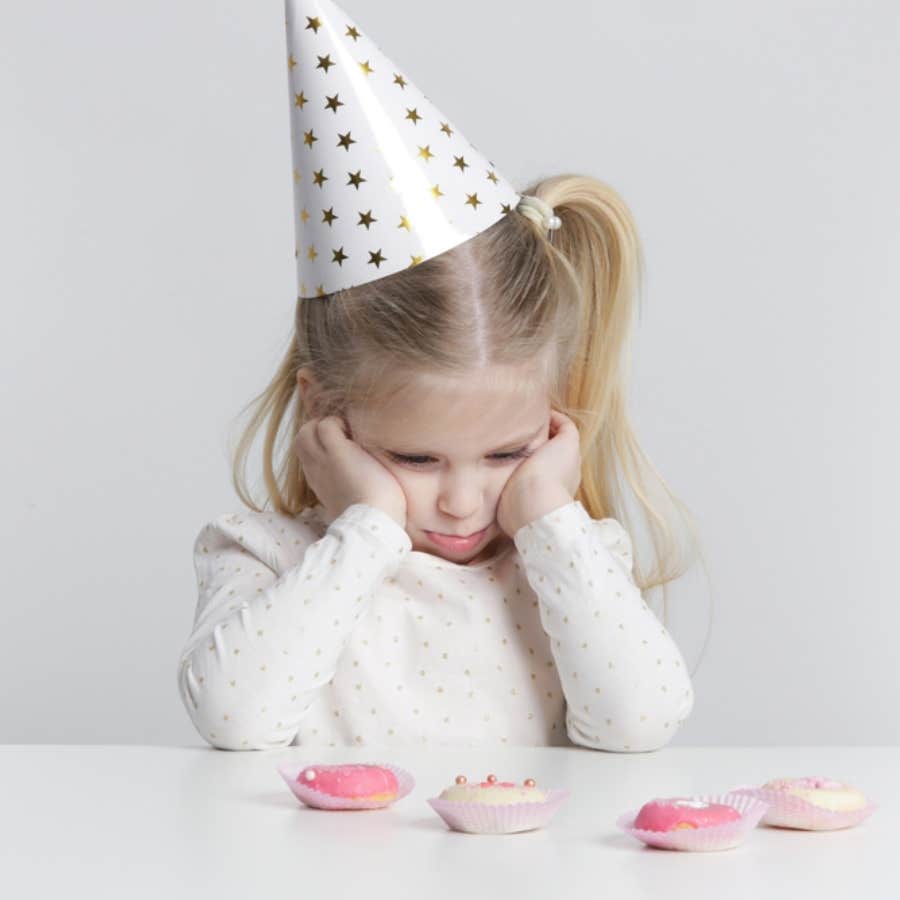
<point x="516" y="442"/>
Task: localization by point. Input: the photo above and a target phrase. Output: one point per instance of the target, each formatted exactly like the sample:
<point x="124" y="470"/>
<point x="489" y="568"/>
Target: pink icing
<point x="668" y="814"/>
<point x="352" y="780"/>
<point x="817" y="782"/>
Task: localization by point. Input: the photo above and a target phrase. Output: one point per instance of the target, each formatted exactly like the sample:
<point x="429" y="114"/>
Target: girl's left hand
<point x="546" y="480"/>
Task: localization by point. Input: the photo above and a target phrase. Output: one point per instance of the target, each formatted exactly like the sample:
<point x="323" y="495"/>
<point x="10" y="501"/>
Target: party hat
<point x="382" y="179"/>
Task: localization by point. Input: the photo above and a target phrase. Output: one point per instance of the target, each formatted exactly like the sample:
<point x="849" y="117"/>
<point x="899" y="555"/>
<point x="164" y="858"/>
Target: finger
<point x="562" y="420"/>
<point x="337" y="431"/>
<point x="328" y="433"/>
<point x="332" y="426"/>
<point x="306" y="435"/>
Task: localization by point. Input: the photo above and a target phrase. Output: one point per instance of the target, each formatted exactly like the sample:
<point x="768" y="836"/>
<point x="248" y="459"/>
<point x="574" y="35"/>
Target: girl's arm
<point x="263" y="645"/>
<point x="626" y="683"/>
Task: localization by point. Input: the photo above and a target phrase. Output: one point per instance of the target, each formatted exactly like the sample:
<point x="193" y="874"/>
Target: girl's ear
<point x="309" y="390"/>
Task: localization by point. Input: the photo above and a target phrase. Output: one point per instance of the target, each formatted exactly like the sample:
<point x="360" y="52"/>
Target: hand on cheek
<point x="546" y="480"/>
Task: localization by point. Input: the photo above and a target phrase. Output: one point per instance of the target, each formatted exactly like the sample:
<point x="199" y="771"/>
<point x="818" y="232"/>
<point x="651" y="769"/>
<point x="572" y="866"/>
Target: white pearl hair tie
<point x="539" y="211"/>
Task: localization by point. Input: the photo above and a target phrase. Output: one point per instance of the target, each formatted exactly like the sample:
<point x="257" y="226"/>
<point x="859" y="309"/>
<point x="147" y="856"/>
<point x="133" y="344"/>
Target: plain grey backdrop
<point x="148" y="286"/>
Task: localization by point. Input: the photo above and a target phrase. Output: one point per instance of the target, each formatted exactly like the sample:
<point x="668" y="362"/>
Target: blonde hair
<point x="511" y="293"/>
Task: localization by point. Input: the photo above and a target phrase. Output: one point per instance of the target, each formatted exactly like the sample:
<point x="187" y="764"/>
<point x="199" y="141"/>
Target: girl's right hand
<point x="342" y="473"/>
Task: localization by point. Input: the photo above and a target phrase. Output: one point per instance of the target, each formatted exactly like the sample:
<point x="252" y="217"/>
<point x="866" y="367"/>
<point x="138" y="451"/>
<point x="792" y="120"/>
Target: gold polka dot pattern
<point x="339" y="634"/>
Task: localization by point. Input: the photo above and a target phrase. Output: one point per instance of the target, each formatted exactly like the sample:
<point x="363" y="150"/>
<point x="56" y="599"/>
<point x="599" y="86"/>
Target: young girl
<point x="443" y="561"/>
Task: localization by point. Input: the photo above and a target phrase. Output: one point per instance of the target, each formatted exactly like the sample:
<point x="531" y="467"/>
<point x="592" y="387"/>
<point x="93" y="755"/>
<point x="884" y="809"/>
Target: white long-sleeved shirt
<point x="314" y="633"/>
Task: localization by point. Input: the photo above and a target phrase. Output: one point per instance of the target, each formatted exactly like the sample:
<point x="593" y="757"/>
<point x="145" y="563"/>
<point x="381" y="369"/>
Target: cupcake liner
<point x="789" y="811"/>
<point x="714" y="837"/>
<point x="482" y="818"/>
<point x="319" y="800"/>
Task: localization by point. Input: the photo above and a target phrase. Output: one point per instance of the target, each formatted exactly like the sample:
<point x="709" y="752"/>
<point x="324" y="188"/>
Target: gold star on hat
<point x="381" y="180"/>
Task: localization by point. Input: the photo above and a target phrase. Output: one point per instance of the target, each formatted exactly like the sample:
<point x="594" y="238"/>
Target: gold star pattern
<point x="320" y="292"/>
<point x="506" y="207"/>
<point x="366" y="218"/>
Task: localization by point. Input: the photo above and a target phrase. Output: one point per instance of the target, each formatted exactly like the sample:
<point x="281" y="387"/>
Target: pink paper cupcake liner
<point x="789" y="811"/>
<point x="714" y="837"/>
<point x="482" y="818"/>
<point x="312" y="797"/>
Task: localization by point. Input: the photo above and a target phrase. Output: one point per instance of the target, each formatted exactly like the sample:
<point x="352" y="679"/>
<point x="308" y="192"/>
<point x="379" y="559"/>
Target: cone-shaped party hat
<point x="382" y="179"/>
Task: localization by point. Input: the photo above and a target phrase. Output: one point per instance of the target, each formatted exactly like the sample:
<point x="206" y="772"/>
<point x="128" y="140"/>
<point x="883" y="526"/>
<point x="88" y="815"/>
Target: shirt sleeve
<point x="264" y="644"/>
<point x="625" y="681"/>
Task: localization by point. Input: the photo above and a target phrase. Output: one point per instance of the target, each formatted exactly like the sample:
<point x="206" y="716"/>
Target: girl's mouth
<point x="449" y="542"/>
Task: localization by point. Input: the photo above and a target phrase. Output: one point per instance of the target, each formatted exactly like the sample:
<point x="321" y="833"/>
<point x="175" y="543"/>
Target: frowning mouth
<point x="457" y="542"/>
<point x="461" y="537"/>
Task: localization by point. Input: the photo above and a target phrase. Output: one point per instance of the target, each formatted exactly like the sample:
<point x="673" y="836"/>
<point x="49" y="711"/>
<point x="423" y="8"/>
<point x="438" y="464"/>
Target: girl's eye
<point x="424" y="460"/>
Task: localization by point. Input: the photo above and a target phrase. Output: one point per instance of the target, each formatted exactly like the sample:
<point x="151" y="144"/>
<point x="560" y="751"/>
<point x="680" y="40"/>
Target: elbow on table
<point x="228" y="742"/>
<point x="228" y="730"/>
<point x="235" y="736"/>
<point x="629" y="733"/>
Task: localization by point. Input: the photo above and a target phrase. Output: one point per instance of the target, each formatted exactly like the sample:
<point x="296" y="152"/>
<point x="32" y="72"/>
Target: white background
<point x="148" y="289"/>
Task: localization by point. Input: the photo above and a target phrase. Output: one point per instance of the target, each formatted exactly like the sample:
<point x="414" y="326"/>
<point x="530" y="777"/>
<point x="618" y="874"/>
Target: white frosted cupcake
<point x="496" y="807"/>
<point x="812" y="803"/>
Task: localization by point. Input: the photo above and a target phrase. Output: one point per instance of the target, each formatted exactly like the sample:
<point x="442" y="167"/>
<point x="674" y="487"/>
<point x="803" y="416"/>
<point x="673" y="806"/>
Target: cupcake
<point x="811" y="803"/>
<point x="496" y="807"/>
<point x="347" y="786"/>
<point x="717" y="822"/>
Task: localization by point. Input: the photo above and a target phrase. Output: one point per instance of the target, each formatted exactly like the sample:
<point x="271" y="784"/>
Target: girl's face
<point x="453" y="449"/>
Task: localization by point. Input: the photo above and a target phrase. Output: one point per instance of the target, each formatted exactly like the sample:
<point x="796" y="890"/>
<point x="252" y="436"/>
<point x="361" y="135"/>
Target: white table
<point x="130" y="822"/>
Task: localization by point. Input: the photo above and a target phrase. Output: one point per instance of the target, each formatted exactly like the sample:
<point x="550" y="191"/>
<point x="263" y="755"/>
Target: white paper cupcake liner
<point x="482" y="818"/>
<point x="713" y="837"/>
<point x="789" y="811"/>
<point x="319" y="800"/>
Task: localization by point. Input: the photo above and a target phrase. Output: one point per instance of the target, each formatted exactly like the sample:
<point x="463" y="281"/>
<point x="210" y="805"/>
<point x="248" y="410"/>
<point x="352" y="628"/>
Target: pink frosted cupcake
<point x="496" y="807"/>
<point x="812" y="803"/>
<point x="717" y="822"/>
<point x="349" y="786"/>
